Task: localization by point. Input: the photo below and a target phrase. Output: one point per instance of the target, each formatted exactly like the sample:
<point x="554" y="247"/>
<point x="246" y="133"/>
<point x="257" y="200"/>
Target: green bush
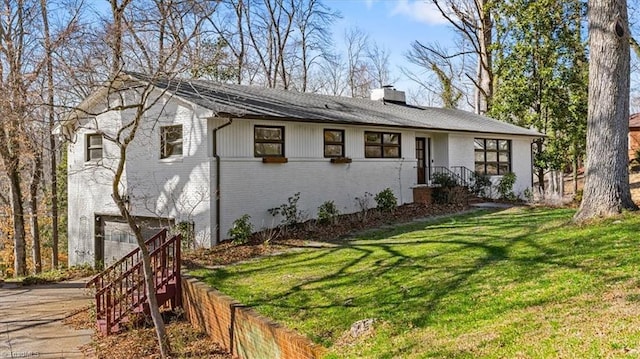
<point x="241" y="229"/>
<point x="577" y="198"/>
<point x="481" y="185"/>
<point x="386" y="201"/>
<point x="443" y="179"/>
<point x="528" y="195"/>
<point x="505" y="186"/>
<point x="289" y="211"/>
<point x="328" y="212"/>
<point x="187" y="230"/>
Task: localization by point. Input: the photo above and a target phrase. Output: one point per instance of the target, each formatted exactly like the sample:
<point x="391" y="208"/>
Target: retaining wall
<point x="239" y="329"/>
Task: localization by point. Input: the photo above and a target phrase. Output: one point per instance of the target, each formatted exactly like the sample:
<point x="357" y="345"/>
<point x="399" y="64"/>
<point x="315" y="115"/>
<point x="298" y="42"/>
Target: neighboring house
<point x="207" y="153"/>
<point x="634" y="135"/>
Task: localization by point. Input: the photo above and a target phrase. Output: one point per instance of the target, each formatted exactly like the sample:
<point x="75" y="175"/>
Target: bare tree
<point x="380" y="66"/>
<point x="15" y="22"/>
<point x="48" y="53"/>
<point x="442" y="66"/>
<point x="331" y="78"/>
<point x="606" y="189"/>
<point x="155" y="37"/>
<point x="123" y="137"/>
<point x="471" y="19"/>
<point x="312" y="21"/>
<point x="358" y="78"/>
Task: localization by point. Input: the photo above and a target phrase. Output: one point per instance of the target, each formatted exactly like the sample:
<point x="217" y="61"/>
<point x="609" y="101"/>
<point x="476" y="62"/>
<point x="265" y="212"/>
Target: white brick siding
<point x="183" y="188"/>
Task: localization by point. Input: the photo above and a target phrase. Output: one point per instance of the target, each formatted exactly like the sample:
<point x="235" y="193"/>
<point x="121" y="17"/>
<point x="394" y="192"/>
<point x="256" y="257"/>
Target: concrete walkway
<point x="31" y="320"/>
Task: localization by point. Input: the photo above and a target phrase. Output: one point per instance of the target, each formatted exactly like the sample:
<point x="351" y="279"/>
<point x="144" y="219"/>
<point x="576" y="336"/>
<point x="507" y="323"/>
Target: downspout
<point x="217" y="189"/>
<point x="532" y="165"/>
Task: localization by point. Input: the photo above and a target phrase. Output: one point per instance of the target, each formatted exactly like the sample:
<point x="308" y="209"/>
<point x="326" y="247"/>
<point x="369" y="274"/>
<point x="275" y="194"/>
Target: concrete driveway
<point x="31" y="320"/>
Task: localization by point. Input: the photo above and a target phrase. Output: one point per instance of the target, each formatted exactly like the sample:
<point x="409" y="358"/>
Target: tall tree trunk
<point x="606" y="189"/>
<point x="574" y="174"/>
<point x="55" y="234"/>
<point x="485" y="70"/>
<point x="19" y="246"/>
<point x="156" y="317"/>
<point x="52" y="138"/>
<point x="241" y="38"/>
<point x="35" y="230"/>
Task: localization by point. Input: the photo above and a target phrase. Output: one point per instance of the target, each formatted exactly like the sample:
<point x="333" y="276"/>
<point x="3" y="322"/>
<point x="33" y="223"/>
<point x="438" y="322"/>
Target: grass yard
<point x="521" y="283"/>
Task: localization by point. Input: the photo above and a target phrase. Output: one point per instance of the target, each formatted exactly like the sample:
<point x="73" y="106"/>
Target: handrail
<point x="98" y="281"/>
<point x="156" y="252"/>
<point x="466" y="175"/>
<point x="116" y="299"/>
<point x="447" y="171"/>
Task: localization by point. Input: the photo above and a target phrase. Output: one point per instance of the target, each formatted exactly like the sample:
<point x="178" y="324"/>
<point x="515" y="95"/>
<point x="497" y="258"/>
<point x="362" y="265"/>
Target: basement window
<point x="171" y="141"/>
<point x="93" y="150"/>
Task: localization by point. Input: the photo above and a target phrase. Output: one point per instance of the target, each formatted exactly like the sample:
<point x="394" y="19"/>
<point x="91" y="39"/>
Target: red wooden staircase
<point x="121" y="296"/>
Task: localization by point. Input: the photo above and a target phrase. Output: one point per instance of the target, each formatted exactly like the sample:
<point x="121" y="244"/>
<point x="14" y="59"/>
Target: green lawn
<point x="517" y="283"/>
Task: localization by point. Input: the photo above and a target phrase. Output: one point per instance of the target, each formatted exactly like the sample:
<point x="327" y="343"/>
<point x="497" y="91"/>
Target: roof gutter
<point x="217" y="189"/>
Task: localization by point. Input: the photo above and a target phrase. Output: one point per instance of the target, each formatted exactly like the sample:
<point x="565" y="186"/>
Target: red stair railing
<point x="126" y="262"/>
<point x="122" y="291"/>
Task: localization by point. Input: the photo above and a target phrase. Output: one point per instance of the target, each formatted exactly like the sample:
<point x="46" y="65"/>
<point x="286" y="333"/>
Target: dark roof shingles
<point x="256" y="102"/>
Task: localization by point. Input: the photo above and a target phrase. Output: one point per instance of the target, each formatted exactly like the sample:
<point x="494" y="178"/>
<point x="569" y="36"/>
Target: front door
<point x="421" y="156"/>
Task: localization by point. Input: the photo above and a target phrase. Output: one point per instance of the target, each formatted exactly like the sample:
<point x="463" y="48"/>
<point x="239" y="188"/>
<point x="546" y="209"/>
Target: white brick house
<point x="256" y="147"/>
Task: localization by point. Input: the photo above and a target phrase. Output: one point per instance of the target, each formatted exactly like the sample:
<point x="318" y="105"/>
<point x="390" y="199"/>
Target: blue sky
<point x="393" y="24"/>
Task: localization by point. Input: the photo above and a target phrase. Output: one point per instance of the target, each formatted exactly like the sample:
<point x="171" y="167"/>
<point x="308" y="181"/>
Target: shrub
<point x="528" y="195"/>
<point x="241" y="229"/>
<point x="289" y="211"/>
<point x="363" y="204"/>
<point x="505" y="186"/>
<point x="577" y="198"/>
<point x="187" y="230"/>
<point x="386" y="201"/>
<point x="328" y="212"/>
<point x="449" y="191"/>
<point x="445" y="180"/>
<point x="481" y="185"/>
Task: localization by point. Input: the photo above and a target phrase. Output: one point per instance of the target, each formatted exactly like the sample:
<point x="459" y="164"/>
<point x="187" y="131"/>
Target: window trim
<point x="257" y="141"/>
<point x="382" y="144"/>
<point x="333" y="143"/>
<point x="88" y="147"/>
<point x="163" y="142"/>
<point x="497" y="151"/>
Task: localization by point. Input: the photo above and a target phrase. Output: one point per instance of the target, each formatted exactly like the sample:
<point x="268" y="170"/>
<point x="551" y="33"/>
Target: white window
<point x="93" y="150"/>
<point x="171" y="141"/>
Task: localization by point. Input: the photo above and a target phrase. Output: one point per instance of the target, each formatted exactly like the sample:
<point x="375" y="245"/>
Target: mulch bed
<point x="186" y="341"/>
<point x="343" y="227"/>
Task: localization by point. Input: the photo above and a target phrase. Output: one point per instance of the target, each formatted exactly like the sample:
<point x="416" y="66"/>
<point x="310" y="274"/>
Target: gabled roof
<point x="239" y="101"/>
<point x="634" y="120"/>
